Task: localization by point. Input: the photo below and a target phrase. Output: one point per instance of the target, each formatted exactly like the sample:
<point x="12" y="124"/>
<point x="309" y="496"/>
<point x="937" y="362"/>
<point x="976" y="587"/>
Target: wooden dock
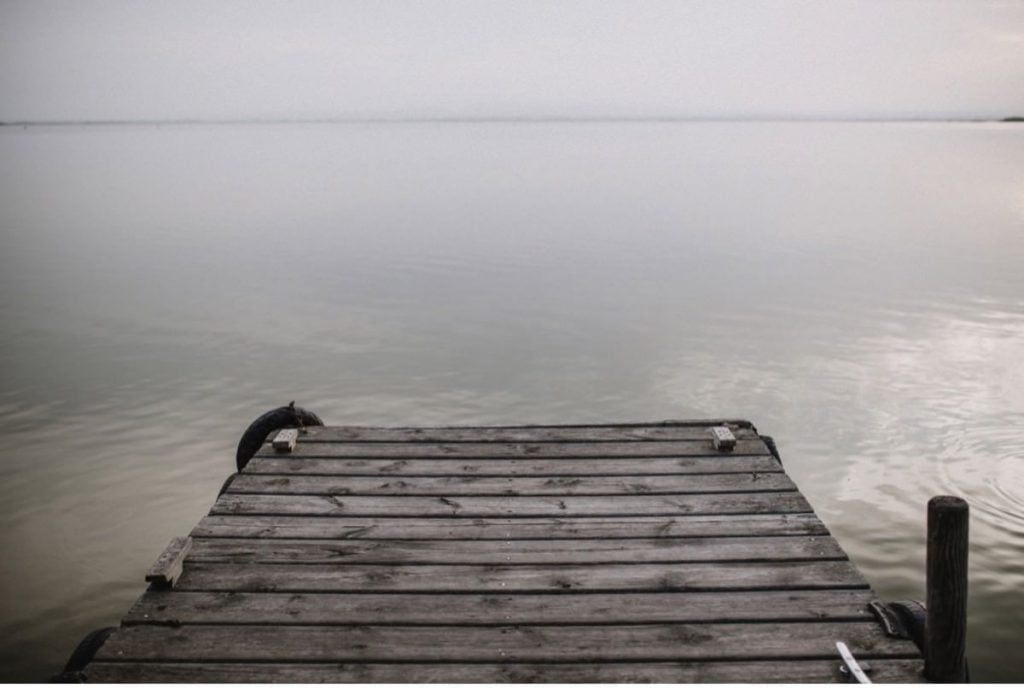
<point x="605" y="553"/>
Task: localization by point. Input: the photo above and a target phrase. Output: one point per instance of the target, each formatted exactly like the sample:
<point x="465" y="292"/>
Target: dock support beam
<point x="946" y="625"/>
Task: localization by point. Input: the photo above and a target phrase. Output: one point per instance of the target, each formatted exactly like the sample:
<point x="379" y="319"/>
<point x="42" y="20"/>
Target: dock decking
<point x="622" y="553"/>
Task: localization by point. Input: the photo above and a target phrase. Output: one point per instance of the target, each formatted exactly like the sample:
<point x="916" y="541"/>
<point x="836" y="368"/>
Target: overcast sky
<point x="83" y="59"/>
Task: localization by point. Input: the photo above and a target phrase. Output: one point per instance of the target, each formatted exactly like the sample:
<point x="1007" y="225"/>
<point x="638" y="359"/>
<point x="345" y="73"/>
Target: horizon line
<point x="484" y="119"/>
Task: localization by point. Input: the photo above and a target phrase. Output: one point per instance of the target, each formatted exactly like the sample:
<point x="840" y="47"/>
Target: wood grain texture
<point x="436" y="608"/>
<point x="306" y="448"/>
<point x="569" y="433"/>
<point x="501" y="552"/>
<point x="727" y="641"/>
<point x="709" y="577"/>
<point x="946" y="583"/>
<point x="599" y="466"/>
<point x="342" y="527"/>
<point x="510" y="486"/>
<point x="511" y="507"/>
<point x="593" y="553"/>
<point x="166" y="570"/>
<point x="285" y="440"/>
<point x="787" y="671"/>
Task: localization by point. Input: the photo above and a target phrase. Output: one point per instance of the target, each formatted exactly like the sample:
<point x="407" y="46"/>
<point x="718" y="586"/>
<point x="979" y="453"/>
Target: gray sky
<point x="82" y="59"/>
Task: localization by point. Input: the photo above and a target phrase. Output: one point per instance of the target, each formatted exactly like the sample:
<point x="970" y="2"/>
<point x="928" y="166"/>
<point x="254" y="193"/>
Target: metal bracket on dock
<point x="723" y="438"/>
<point x="285" y="440"/>
<point x="168" y="567"/>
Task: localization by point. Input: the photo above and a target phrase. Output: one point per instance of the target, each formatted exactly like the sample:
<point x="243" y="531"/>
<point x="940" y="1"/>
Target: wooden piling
<point x="946" y="624"/>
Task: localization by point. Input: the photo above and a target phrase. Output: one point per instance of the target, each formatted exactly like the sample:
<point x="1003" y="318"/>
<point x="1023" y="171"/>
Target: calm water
<point x="857" y="290"/>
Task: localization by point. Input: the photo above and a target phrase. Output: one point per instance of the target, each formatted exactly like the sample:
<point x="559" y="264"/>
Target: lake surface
<point x="857" y="290"/>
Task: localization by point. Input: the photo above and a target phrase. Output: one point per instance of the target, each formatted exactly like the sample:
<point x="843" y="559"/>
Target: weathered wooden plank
<point x="803" y="575"/>
<point x="167" y="568"/>
<point x="435" y="608"/>
<point x="409" y="450"/>
<point x="510" y="507"/>
<point x="285" y="440"/>
<point x="561" y="553"/>
<point x="787" y="671"/>
<point x="473" y="485"/>
<point x="598" y="466"/>
<point x="580" y="433"/>
<point x="340" y="527"/>
<point x="726" y="641"/>
<point x="498" y="552"/>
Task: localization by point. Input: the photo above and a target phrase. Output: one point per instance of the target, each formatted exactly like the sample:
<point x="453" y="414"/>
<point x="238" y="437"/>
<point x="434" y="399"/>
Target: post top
<point x="947" y="503"/>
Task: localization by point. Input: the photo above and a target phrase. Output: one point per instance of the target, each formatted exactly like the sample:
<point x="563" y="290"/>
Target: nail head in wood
<point x="723" y="438"/>
<point x="285" y="440"/>
<point x="169" y="565"/>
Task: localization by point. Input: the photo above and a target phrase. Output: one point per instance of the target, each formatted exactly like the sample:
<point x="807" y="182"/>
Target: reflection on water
<point x="852" y="288"/>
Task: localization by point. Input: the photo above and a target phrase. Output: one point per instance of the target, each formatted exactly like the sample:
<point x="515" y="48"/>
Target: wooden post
<point x="946" y="623"/>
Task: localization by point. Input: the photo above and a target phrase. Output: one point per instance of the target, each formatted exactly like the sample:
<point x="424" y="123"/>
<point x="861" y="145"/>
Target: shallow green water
<point x="854" y="289"/>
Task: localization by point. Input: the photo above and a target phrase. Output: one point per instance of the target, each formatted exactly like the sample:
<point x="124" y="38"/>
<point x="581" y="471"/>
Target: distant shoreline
<point x="503" y="120"/>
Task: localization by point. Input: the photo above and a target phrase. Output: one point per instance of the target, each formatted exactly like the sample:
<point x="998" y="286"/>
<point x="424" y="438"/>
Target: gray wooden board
<point x="515" y="449"/>
<point x="439" y="608"/>
<point x="632" y="552"/>
<point x="486" y="507"/>
<point x="598" y="466"/>
<point x="714" y="641"/>
<point x="342" y="527"/>
<point x="791" y="575"/>
<point x="168" y="566"/>
<point x="526" y="486"/>
<point x="572" y="551"/>
<point x="582" y="433"/>
<point x="783" y="671"/>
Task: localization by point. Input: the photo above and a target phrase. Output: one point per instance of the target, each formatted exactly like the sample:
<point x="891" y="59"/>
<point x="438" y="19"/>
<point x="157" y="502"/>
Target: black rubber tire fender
<point x="769" y="442"/>
<point x="912" y="615"/>
<point x="83" y="654"/>
<point x="290" y="416"/>
<point x="227" y="483"/>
